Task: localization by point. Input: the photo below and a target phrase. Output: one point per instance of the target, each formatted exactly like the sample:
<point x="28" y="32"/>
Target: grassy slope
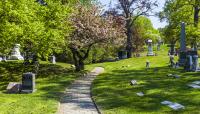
<point x="114" y="94"/>
<point x="50" y="84"/>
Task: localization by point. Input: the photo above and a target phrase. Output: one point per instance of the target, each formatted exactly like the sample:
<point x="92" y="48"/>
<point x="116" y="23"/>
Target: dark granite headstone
<point x="182" y="58"/>
<point x="122" y="54"/>
<point x="28" y="83"/>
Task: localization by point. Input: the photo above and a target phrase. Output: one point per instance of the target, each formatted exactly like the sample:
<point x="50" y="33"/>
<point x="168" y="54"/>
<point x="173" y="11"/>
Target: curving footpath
<point x="77" y="98"/>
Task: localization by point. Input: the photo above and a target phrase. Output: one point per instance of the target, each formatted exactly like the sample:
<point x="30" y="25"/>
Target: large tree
<point x="142" y="30"/>
<point x="176" y="11"/>
<point x="132" y="9"/>
<point x="37" y="27"/>
<point x="91" y="28"/>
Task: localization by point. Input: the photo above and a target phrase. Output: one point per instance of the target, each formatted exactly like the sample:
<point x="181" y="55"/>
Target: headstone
<point x="196" y="63"/>
<point x="13" y="87"/>
<point x="147" y="64"/>
<point x="42" y="2"/>
<point x="174" y="106"/>
<point x="28" y="83"/>
<point x="173" y="75"/>
<point x="150" y="48"/>
<point x="122" y="54"/>
<point x="196" y="82"/>
<point x="189" y="63"/>
<point x="4" y="59"/>
<point x="194" y="86"/>
<point x="140" y="94"/>
<point x="53" y="59"/>
<point x="166" y="102"/>
<point x="182" y="53"/>
<point x="169" y="75"/>
<point x="15" y="54"/>
<point x="133" y="82"/>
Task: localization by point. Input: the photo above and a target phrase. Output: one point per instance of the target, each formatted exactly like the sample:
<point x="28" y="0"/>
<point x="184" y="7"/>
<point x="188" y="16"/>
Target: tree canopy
<point x="33" y="25"/>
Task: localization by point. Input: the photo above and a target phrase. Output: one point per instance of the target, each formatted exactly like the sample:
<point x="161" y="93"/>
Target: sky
<point x="155" y="20"/>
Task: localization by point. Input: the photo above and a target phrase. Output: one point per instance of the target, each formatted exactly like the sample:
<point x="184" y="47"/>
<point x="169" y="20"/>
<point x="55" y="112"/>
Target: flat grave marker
<point x="173" y="105"/>
<point x="133" y="82"/>
<point x="141" y="94"/>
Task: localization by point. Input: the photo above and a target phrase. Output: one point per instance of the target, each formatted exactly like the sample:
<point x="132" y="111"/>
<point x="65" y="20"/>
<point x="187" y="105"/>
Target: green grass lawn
<point x="50" y="83"/>
<point x="114" y="94"/>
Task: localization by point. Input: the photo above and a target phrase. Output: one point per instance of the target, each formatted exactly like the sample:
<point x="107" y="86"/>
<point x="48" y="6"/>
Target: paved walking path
<point x="77" y="99"/>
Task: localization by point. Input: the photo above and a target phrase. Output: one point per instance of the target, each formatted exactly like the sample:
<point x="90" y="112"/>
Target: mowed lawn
<point x="50" y="84"/>
<point x="114" y="94"/>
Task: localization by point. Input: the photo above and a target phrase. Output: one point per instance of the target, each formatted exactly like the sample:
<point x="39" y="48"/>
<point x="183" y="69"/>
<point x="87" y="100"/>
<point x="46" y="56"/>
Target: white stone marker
<point x="174" y="106"/>
<point x="141" y="94"/>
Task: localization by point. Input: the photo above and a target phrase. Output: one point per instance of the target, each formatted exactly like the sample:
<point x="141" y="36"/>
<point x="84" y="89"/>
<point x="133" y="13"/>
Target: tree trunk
<point x="129" y="33"/>
<point x="172" y="46"/>
<point x="196" y="21"/>
<point x="196" y="14"/>
<point x="78" y="58"/>
<point x="81" y="64"/>
<point x="76" y="61"/>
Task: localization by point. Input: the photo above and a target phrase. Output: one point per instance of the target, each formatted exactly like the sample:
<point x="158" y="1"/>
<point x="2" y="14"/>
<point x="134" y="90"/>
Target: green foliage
<point x="146" y="28"/>
<point x="34" y="26"/>
<point x="177" y="11"/>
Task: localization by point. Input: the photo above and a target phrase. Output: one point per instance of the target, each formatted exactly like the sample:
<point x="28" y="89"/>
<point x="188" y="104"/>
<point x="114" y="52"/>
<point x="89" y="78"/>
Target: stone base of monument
<point x="28" y="91"/>
<point x="14" y="87"/>
<point x="16" y="58"/>
<point x="150" y="54"/>
<point x="197" y="70"/>
<point x="181" y="62"/>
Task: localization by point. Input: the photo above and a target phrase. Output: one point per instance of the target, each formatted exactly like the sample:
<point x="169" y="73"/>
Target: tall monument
<point x="183" y="38"/>
<point x="182" y="53"/>
<point x="15" y="54"/>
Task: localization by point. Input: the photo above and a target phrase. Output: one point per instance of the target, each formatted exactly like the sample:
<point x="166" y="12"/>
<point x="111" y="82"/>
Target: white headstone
<point x="150" y="48"/>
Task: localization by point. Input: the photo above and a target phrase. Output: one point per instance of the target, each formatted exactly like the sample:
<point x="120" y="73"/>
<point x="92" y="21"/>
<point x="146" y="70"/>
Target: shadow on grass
<point x="50" y="81"/>
<point x="113" y="91"/>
